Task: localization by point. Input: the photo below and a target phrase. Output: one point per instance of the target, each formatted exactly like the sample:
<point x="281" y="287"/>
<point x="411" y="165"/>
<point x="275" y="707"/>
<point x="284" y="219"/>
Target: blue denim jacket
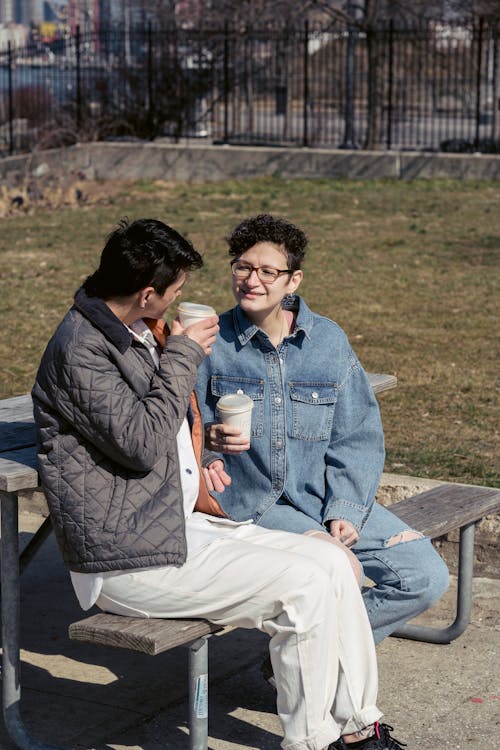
<point x="316" y="430"/>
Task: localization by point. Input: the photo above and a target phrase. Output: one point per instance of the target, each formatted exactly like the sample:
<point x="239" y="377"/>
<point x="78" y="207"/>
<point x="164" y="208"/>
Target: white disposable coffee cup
<point x="192" y="312"/>
<point x="235" y="409"/>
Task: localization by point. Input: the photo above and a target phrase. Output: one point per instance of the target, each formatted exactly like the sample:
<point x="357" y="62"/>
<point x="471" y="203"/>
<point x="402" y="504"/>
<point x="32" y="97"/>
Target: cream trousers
<point x="302" y="594"/>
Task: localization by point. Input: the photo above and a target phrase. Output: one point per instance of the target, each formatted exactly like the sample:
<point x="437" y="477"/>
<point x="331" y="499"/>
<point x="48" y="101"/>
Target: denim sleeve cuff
<point x="348" y="511"/>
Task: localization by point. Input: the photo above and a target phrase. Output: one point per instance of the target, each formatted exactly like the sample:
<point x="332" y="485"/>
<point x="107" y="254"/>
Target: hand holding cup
<point x="198" y="322"/>
<point x="224" y="438"/>
<point x="232" y="434"/>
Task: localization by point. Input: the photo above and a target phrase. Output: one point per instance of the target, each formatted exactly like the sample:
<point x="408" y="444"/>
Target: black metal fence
<point x="431" y="87"/>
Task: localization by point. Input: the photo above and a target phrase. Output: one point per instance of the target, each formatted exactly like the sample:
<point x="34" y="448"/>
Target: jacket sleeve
<point x="355" y="455"/>
<point x="208" y="457"/>
<point x="130" y="429"/>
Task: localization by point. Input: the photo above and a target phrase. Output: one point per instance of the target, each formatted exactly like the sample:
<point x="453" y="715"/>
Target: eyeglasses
<point x="266" y="274"/>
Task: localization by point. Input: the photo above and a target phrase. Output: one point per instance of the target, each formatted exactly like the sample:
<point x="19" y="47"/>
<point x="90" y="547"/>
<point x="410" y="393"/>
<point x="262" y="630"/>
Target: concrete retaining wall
<point x="195" y="161"/>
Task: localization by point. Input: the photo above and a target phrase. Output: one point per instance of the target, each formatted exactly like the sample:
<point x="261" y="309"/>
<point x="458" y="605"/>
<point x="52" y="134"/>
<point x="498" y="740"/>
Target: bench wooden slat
<point x="381" y="382"/>
<point x="442" y="509"/>
<point x="16" y="409"/>
<point x="147" y="635"/>
<point x="18" y="470"/>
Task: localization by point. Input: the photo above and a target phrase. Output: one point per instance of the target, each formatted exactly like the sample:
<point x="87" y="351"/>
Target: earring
<point x="288" y="298"/>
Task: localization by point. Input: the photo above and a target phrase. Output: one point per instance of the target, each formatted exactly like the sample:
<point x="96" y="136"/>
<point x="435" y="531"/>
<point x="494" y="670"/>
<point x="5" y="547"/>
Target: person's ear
<point x="144" y="296"/>
<point x="294" y="283"/>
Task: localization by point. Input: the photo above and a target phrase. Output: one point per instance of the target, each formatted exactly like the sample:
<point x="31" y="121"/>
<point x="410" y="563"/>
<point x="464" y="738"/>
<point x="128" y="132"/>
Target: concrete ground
<point x="84" y="696"/>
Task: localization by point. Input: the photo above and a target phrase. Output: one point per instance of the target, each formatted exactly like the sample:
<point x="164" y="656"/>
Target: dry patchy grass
<point x="410" y="270"/>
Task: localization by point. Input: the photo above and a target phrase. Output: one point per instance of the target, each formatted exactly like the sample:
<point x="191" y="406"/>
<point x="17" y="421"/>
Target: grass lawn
<point x="410" y="270"/>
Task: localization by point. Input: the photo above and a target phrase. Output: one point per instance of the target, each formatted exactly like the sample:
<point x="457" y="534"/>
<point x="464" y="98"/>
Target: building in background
<point x="31" y="12"/>
<point x="53" y="12"/>
<point x="19" y="11"/>
<point x="85" y="14"/>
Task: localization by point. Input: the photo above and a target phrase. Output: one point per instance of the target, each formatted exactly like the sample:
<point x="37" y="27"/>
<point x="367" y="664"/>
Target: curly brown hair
<point x="267" y="228"/>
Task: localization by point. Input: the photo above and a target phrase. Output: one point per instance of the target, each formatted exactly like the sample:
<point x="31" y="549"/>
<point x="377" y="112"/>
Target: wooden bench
<point x="152" y="636"/>
<point x="434" y="513"/>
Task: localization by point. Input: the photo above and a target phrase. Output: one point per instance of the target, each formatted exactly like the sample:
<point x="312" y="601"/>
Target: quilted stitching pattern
<point x="107" y="446"/>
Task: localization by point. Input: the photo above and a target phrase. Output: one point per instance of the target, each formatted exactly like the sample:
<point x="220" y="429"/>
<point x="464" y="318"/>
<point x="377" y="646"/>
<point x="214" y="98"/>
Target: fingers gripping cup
<point x="192" y="312"/>
<point x="235" y="409"/>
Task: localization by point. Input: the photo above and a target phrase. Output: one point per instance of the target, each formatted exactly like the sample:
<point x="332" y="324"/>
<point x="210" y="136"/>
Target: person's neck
<point x="275" y="324"/>
<point x="125" y="310"/>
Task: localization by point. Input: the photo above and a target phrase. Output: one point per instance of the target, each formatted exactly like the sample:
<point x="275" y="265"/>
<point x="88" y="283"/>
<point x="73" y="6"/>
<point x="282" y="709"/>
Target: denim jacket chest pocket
<point x="313" y="406"/>
<point x="221" y="385"/>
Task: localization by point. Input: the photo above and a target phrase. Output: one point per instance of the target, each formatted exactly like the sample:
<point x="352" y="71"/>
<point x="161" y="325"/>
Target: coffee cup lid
<point x="193" y="308"/>
<point x="235" y="402"/>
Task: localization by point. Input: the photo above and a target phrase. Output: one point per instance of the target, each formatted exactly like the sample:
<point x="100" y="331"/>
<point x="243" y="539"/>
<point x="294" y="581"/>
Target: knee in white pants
<point x="356" y="566"/>
<point x="305" y="596"/>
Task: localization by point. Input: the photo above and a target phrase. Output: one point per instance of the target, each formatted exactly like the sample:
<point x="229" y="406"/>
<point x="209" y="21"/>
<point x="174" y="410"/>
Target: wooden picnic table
<point x="434" y="512"/>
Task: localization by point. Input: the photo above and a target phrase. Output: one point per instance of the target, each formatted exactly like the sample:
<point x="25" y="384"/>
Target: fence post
<point x="494" y="82"/>
<point x="226" y="82"/>
<point x="348" y="141"/>
<point x="390" y="84"/>
<point x="478" y="80"/>
<point x="11" y="101"/>
<point x="78" y="80"/>
<point x="150" y="82"/>
<point x="305" y="134"/>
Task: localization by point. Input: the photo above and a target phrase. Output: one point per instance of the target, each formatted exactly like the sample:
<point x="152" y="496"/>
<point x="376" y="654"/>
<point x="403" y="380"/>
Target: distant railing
<point x="430" y="87"/>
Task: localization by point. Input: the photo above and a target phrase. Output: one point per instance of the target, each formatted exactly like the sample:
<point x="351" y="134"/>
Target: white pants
<point x="302" y="594"/>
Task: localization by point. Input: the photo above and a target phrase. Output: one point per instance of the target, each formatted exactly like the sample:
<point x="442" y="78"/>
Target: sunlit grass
<point x="410" y="270"/>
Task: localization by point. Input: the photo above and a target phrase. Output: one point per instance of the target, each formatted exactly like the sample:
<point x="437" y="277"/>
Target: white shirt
<point x="201" y="529"/>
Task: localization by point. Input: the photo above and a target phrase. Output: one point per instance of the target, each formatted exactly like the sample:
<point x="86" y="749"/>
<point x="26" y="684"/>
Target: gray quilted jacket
<point x="107" y="423"/>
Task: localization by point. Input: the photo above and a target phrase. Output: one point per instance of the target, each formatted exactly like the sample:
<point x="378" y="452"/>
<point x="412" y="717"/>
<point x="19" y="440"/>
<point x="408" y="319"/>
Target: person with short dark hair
<point x="120" y="458"/>
<point x="316" y="453"/>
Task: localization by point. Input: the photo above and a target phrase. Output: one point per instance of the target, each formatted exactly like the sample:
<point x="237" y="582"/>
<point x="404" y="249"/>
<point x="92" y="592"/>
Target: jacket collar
<point x="100" y="315"/>
<point x="245" y="329"/>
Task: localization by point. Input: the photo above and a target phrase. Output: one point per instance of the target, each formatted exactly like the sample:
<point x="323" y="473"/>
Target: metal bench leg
<point x="11" y="688"/>
<point x="35" y="543"/>
<point x="464" y="598"/>
<point x="198" y="694"/>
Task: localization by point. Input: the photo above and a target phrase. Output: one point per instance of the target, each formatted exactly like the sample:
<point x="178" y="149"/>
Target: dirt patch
<point x="72" y="191"/>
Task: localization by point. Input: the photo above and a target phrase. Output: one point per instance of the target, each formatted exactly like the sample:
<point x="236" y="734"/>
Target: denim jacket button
<point x="314" y="394"/>
<point x="239" y="391"/>
<point x="278" y="444"/>
<point x="277" y="400"/>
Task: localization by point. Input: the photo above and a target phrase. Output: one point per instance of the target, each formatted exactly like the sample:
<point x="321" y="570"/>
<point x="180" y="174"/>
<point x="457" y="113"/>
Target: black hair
<point x="142" y="253"/>
<point x="266" y="228"/>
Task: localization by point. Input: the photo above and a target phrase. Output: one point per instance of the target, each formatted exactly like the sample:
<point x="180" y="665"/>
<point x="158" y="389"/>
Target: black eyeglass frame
<point x="278" y="271"/>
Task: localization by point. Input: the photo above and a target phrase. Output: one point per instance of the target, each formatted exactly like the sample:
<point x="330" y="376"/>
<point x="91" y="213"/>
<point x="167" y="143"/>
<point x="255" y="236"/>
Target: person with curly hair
<point x="316" y="452"/>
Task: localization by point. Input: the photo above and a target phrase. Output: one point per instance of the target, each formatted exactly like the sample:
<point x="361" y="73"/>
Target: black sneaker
<point x="381" y="740"/>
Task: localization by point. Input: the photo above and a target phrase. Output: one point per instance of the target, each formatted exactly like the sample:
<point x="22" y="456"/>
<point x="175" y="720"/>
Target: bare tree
<point x="247" y="14"/>
<point x="475" y="8"/>
<point x="372" y="18"/>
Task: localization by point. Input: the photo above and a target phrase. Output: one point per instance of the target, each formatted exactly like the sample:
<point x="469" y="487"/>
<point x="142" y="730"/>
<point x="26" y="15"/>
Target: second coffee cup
<point x="192" y="312"/>
<point x="235" y="409"/>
